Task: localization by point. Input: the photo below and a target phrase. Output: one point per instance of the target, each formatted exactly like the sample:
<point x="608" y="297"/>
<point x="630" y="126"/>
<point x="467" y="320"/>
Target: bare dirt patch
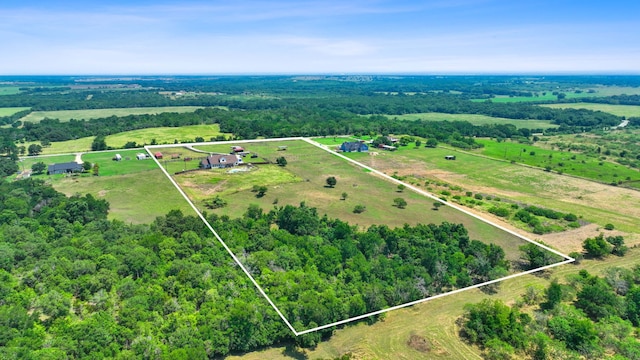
<point x="102" y="193"/>
<point x="419" y="343"/>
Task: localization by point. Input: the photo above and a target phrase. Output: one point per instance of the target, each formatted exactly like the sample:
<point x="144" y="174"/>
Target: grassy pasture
<point x="163" y="135"/>
<point x="477" y="120"/>
<point x="600" y="91"/>
<point x="433" y="320"/>
<point x="8" y="111"/>
<point x="66" y="115"/>
<point x="563" y="161"/>
<point x="303" y="179"/>
<point x="9" y="90"/>
<point x="598" y="203"/>
<point x="137" y="190"/>
<point x="619" y="110"/>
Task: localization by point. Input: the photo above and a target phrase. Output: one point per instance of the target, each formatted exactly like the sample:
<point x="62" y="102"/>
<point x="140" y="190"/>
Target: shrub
<point x="499" y="211"/>
<point x="358" y="209"/>
<point x="609" y="227"/>
<point x="478" y="196"/>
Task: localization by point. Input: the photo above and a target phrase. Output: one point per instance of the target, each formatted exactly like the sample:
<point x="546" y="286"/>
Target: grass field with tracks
<point x="619" y="110"/>
<point x="304" y="180"/>
<point x="477" y="120"/>
<point x="66" y="115"/>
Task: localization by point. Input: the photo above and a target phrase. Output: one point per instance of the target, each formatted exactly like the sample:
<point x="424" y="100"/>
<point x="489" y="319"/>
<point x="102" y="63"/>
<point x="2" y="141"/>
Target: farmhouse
<point x="64" y="168"/>
<point x="354" y="146"/>
<point x="450" y="157"/>
<point x="220" y="161"/>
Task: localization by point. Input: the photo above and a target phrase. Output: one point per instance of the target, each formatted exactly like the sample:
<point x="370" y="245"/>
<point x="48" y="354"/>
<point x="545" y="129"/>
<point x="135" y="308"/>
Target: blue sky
<point x="266" y="37"/>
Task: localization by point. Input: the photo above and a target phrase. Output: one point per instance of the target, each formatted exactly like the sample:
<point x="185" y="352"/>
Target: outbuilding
<point x="158" y="155"/>
<point x="118" y="157"/>
<point x="450" y="157"/>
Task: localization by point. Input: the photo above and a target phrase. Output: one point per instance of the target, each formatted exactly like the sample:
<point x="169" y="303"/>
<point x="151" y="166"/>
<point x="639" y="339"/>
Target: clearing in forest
<point x="304" y="181"/>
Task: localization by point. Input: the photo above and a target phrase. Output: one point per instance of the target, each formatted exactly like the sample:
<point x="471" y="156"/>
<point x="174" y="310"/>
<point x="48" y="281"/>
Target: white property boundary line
<point x="385" y="176"/>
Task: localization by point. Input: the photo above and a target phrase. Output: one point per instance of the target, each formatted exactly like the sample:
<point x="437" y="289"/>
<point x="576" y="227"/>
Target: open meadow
<point x="162" y="135"/>
<point x="574" y="163"/>
<point x="619" y="110"/>
<point x="594" y="91"/>
<point x="303" y="179"/>
<point x="8" y="111"/>
<point x="136" y="190"/>
<point x="66" y="115"/>
<point x="9" y="90"/>
<point x="477" y="120"/>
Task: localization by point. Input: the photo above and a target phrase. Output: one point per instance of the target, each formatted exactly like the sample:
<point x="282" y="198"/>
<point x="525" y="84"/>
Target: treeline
<point x="591" y="317"/>
<point x="323" y="270"/>
<point x="11" y="119"/>
<point x="75" y="285"/>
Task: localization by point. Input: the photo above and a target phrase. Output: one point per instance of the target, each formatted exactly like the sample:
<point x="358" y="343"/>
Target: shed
<point x="450" y="157"/>
<point x="158" y="155"/>
<point x="141" y="156"/>
<point x="64" y="168"/>
<point x="118" y="157"/>
<point x="237" y="149"/>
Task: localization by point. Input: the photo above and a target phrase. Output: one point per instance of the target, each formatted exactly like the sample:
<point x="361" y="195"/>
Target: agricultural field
<point x="136" y="190"/>
<point x="597" y="91"/>
<point x="477" y="120"/>
<point x="162" y="135"/>
<point x="303" y="180"/>
<point x="619" y="110"/>
<point x="573" y="163"/>
<point x="9" y="90"/>
<point x="8" y="111"/>
<point x="594" y="202"/>
<point x="66" y="115"/>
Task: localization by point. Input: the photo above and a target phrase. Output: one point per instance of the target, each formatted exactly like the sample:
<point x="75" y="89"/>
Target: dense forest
<point x="589" y="317"/>
<point x="77" y="285"/>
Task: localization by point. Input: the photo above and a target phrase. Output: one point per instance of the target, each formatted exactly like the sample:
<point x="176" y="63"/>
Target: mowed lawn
<point x="136" y="190"/>
<point x="619" y="110"/>
<point x="8" y="111"/>
<point x="66" y="115"/>
<point x="162" y="135"/>
<point x="597" y="203"/>
<point x="304" y="180"/>
<point x="477" y="120"/>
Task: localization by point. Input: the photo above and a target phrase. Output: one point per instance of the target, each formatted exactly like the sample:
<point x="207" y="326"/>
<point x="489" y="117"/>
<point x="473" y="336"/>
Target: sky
<point x="318" y="37"/>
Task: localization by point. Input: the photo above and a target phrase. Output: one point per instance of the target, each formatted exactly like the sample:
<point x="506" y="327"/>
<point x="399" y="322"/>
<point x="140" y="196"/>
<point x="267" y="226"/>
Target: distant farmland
<point x="619" y="110"/>
<point x="476" y="120"/>
<point x="66" y="115"/>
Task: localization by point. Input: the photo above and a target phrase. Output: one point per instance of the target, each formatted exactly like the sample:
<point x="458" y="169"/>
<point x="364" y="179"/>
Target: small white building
<point x="141" y="156"/>
<point x="118" y="157"/>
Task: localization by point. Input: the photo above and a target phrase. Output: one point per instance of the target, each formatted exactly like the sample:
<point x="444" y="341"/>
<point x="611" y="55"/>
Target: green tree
<point x="96" y="169"/>
<point x="7" y="166"/>
<point x="400" y="203"/>
<point x="331" y="181"/>
<point x="99" y="143"/>
<point x="597" y="247"/>
<point x="281" y="161"/>
<point x="34" y="149"/>
<point x="418" y="143"/>
<point x="87" y="166"/>
<point x="39" y="167"/>
<point x="401" y="187"/>
<point x="431" y="143"/>
<point x="358" y="209"/>
<point x="437" y="205"/>
<point x="344" y="196"/>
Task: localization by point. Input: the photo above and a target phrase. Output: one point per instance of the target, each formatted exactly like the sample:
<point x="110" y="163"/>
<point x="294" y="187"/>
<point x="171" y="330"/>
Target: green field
<point x="561" y="161"/>
<point x="599" y="91"/>
<point x="9" y="90"/>
<point x="162" y="135"/>
<point x="303" y="179"/>
<point x="66" y="115"/>
<point x="8" y="111"/>
<point x="136" y="190"/>
<point x="619" y="110"/>
<point x="598" y="203"/>
<point x="476" y="120"/>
